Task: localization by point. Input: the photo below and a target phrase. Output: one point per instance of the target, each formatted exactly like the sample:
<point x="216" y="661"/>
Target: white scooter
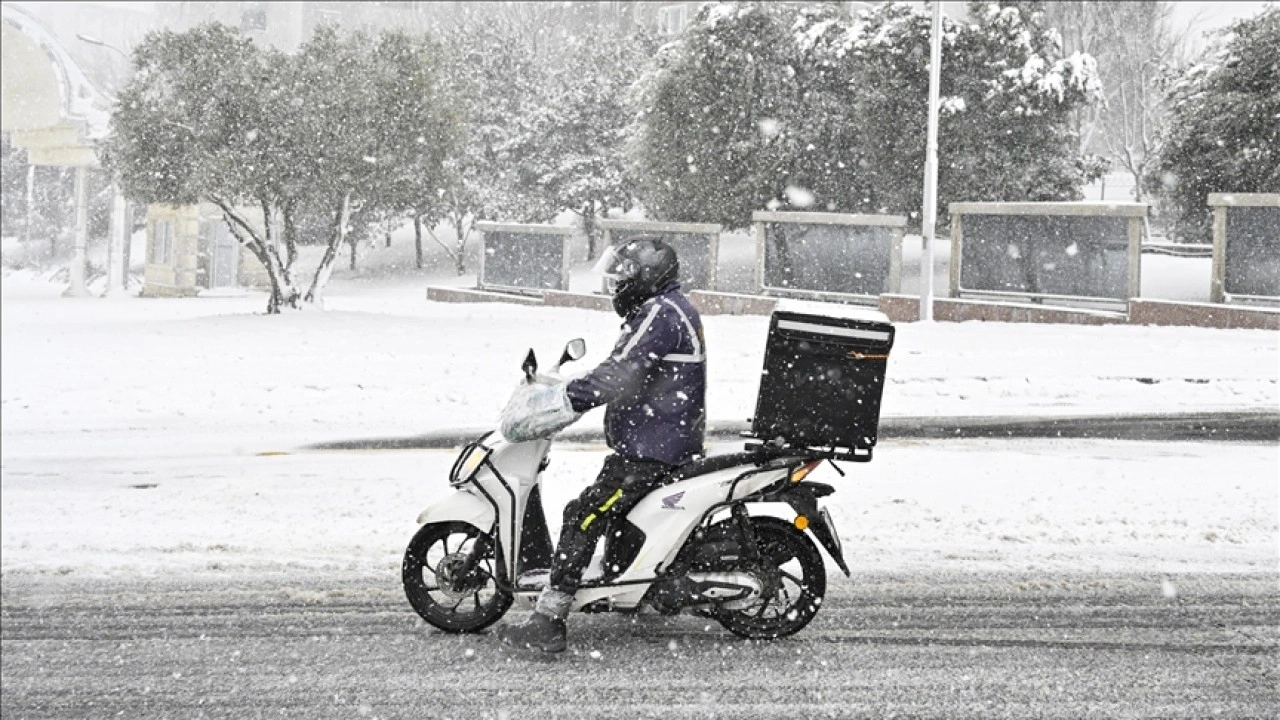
<point x="690" y="545"/>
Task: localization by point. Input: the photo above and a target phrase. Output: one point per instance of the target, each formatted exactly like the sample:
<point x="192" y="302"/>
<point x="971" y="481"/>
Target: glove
<point x="537" y="411"/>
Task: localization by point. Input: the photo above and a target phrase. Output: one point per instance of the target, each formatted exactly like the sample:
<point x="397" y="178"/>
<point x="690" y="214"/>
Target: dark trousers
<point x="622" y="483"/>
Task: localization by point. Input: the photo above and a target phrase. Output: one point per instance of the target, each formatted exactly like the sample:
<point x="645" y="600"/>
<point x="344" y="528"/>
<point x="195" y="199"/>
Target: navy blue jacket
<point x="654" y="382"/>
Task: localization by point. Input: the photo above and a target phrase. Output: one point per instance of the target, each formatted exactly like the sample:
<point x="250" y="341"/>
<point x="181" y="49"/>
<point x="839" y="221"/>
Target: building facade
<point x="190" y="250"/>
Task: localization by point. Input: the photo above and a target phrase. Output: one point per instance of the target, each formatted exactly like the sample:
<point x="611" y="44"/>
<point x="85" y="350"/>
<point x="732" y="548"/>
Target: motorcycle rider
<point x="654" y="386"/>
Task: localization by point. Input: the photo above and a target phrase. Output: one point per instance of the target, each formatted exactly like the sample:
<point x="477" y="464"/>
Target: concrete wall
<point x="176" y="275"/>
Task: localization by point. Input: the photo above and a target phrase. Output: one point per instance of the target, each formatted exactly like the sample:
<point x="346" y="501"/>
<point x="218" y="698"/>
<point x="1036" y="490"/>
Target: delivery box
<point x="823" y="377"/>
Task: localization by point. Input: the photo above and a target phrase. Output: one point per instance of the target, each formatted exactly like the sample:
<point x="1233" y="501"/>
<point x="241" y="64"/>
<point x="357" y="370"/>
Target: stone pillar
<point x="29" y="229"/>
<point x="128" y="243"/>
<point x="115" y="244"/>
<point x="78" y="261"/>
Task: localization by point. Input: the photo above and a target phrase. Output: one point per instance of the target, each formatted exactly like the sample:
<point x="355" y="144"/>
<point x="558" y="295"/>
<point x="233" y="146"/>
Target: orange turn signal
<point x="801" y="472"/>
<point x="801" y="522"/>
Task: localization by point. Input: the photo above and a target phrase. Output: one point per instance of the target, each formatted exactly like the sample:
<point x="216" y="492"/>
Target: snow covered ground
<point x="969" y="505"/>
<point x="133" y="431"/>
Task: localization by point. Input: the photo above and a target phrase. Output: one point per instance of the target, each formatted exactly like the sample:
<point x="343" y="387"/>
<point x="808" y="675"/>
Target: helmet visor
<point x="615" y="267"/>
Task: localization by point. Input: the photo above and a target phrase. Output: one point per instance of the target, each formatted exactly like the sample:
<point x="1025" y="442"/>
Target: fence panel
<point x="523" y="258"/>
<point x="1069" y="251"/>
<point x="1246" y="246"/>
<point x="830" y="255"/>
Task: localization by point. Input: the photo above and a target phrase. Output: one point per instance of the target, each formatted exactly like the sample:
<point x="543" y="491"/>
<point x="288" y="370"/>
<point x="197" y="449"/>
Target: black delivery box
<point x="823" y="378"/>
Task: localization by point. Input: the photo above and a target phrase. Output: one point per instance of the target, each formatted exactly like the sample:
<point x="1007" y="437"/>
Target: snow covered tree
<point x="1006" y="99"/>
<point x="381" y="128"/>
<point x="775" y="106"/>
<point x="210" y="117"/>
<point x="574" y="148"/>
<point x="1224" y="128"/>
<point x="492" y="74"/>
<point x="704" y="143"/>
<point x="1133" y="43"/>
<point x="828" y="161"/>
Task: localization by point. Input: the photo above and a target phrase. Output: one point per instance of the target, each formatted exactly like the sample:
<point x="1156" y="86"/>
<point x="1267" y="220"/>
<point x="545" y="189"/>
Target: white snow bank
<point x="95" y="377"/>
<point x="1022" y="505"/>
<point x="130" y="430"/>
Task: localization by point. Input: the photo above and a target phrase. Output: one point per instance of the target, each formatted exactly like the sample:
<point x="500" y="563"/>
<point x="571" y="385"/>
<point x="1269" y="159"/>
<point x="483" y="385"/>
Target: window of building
<point x="671" y="19"/>
<point x="253" y="16"/>
<point x="161" y="242"/>
<point x="328" y="16"/>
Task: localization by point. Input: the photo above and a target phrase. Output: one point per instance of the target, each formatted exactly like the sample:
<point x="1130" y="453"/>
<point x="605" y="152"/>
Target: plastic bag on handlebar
<point x="537" y="410"/>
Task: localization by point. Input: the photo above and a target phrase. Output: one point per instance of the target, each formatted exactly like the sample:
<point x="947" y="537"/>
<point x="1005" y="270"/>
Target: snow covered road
<point x="921" y="644"/>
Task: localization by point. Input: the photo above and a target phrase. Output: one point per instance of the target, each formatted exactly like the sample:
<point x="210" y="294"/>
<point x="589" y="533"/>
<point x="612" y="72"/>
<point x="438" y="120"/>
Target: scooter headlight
<point x="468" y="462"/>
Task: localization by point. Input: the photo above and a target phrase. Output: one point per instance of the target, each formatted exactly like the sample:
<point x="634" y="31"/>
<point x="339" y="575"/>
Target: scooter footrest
<point x="533" y="579"/>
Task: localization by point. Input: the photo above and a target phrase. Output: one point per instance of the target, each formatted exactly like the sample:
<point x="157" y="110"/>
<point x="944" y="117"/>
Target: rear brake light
<point x="799" y="473"/>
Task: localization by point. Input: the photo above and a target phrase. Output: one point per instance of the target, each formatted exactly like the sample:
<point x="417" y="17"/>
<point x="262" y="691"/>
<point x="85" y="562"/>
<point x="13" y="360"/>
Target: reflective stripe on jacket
<point x="654" y="382"/>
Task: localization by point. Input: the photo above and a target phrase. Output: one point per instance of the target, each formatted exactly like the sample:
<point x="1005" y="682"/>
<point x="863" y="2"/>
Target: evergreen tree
<point x="575" y="145"/>
<point x="13" y="181"/>
<point x="1224" y="130"/>
<point x="771" y="106"/>
<point x="707" y="142"/>
<point x="1006" y="100"/>
<point x="574" y="148"/>
<point x="492" y="75"/>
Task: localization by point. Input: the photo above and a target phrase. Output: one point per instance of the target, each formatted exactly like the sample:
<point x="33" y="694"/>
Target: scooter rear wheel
<point x="801" y="583"/>
<point x="438" y="589"/>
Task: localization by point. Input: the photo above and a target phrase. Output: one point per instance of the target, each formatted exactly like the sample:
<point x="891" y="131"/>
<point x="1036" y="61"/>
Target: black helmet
<point x="638" y="269"/>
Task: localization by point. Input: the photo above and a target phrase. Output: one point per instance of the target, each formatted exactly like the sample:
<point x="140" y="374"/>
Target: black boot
<point x="538" y="632"/>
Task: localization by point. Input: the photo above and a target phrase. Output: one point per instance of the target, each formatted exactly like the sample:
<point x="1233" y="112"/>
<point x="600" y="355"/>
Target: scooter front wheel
<point x="439" y="586"/>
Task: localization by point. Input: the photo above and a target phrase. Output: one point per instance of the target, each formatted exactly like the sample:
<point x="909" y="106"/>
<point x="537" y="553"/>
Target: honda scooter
<point x="699" y="543"/>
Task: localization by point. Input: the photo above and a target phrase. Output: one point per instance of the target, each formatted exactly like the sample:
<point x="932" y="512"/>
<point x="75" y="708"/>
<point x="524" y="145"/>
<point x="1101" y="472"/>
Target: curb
<point x="1240" y="426"/>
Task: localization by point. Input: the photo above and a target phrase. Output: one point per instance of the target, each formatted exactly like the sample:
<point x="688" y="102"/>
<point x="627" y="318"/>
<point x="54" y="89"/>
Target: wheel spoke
<point x="763" y="606"/>
<point x="793" y="578"/>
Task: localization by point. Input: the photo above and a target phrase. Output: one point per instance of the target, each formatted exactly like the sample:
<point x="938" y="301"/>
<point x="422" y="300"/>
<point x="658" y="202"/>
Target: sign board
<point x="1246" y="246"/>
<point x="1064" y="250"/>
<point x="805" y="254"/>
<point x="697" y="246"/>
<point x="525" y="259"/>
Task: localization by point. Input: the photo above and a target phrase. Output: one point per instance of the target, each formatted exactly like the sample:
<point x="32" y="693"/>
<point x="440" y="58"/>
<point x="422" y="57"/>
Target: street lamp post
<point x="121" y="217"/>
<point x="930" y="216"/>
<point x="99" y="43"/>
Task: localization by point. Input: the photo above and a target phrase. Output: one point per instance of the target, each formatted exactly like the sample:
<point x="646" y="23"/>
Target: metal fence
<point x="1066" y="251"/>
<point x="526" y="259"/>
<point x="828" y="255"/>
<point x="1246" y="247"/>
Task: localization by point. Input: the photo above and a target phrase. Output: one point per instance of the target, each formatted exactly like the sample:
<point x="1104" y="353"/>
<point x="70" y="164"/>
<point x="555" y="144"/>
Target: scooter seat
<point x="705" y="465"/>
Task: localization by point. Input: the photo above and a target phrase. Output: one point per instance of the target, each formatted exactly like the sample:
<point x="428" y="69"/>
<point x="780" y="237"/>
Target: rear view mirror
<point x="574" y="350"/>
<point x="530" y="366"/>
